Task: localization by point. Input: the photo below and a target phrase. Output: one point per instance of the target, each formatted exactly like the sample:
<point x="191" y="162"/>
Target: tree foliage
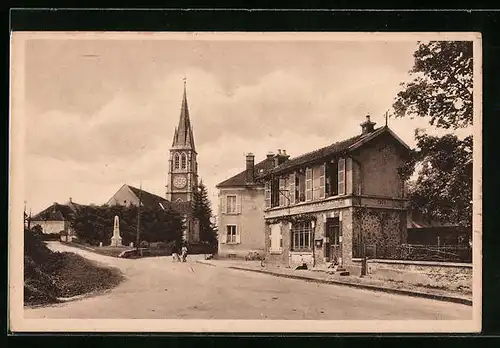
<point x="441" y="90"/>
<point x="442" y="83"/>
<point x="203" y="212"/>
<point x="443" y="188"/>
<point x="94" y="224"/>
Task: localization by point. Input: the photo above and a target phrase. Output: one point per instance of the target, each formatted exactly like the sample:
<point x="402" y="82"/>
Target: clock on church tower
<point x="180" y="181"/>
<point x="183" y="167"/>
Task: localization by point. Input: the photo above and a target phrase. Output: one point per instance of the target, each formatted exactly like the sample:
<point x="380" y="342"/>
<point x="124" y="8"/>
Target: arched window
<point x="176" y="161"/>
<point x="183" y="161"/>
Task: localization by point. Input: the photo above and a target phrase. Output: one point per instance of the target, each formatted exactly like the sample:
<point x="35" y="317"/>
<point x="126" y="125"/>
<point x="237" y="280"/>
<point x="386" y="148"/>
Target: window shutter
<point x="281" y="240"/>
<point x="238" y="239"/>
<point x="341" y="173"/>
<point x="292" y="188"/>
<point x="308" y="184"/>
<point x="268" y="193"/>
<point x="223" y="200"/>
<point x="272" y="236"/>
<point x="282" y="188"/>
<point x="322" y="181"/>
<point x="238" y="204"/>
<point x="223" y="235"/>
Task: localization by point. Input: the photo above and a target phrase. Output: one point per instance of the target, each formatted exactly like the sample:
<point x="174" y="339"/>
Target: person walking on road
<point x="175" y="253"/>
<point x="184" y="251"/>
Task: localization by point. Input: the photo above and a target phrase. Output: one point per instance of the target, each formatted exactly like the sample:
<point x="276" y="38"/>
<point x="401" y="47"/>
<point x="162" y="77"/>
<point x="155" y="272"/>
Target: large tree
<point x="441" y="90"/>
<point x="441" y="85"/>
<point x="94" y="224"/>
<point x="203" y="212"/>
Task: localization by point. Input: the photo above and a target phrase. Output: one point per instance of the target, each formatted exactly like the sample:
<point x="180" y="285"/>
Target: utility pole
<point x="25" y="217"/>
<point x="29" y="220"/>
<point x="386" y="118"/>
<point x="138" y="218"/>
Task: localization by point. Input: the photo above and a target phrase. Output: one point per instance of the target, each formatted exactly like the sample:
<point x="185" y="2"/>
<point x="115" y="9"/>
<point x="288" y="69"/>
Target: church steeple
<point x="183" y="135"/>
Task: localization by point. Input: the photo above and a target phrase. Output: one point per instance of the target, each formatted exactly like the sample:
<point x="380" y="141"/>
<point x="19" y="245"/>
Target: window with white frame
<point x="231" y="234"/>
<point x="231" y="205"/>
<point x="302" y="236"/>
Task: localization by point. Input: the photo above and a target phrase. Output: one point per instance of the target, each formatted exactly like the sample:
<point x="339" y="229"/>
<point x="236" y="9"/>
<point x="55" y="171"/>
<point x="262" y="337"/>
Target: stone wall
<point x="381" y="231"/>
<point x="457" y="276"/>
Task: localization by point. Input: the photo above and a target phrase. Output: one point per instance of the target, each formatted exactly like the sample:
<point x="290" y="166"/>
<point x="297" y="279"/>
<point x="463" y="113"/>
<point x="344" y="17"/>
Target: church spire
<point x="183" y="136"/>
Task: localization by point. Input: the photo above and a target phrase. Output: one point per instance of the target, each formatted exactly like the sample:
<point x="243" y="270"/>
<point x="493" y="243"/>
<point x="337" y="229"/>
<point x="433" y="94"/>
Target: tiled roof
<point x="239" y="179"/>
<point x="148" y="199"/>
<point x="333" y="149"/>
<point x="56" y="212"/>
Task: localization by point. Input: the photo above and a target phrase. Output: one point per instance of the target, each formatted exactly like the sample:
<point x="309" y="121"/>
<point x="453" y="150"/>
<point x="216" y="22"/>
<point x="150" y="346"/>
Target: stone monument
<point x="116" y="240"/>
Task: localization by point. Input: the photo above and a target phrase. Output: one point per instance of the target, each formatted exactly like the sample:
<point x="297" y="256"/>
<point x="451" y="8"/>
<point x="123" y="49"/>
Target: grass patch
<point x="49" y="275"/>
<point x="112" y="251"/>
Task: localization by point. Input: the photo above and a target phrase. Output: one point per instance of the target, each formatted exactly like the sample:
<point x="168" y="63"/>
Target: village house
<point x="338" y="203"/>
<point x="55" y="220"/>
<point x="241" y="208"/>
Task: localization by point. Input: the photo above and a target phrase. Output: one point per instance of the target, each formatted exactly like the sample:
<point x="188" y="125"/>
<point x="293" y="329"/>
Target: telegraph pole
<point x="138" y="218"/>
<point x="25" y="217"/>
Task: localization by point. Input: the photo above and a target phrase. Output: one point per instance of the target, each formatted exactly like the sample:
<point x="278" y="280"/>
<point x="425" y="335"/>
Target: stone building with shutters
<point x="241" y="208"/>
<point x="339" y="202"/>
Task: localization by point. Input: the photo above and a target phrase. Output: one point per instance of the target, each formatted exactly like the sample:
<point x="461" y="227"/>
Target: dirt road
<point x="157" y="288"/>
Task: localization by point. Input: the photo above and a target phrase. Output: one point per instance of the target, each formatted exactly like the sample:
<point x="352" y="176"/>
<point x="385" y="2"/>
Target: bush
<point x="254" y="256"/>
<point x="161" y="245"/>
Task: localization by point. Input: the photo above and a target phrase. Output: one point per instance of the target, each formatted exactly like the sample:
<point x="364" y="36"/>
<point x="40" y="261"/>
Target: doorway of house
<point x="333" y="247"/>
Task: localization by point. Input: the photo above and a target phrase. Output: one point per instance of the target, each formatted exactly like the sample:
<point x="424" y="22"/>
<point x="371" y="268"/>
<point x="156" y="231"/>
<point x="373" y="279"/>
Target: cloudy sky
<point x="101" y="113"/>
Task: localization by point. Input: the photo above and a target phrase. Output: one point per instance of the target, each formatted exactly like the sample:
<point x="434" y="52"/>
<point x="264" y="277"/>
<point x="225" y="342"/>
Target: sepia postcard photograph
<point x="245" y="182"/>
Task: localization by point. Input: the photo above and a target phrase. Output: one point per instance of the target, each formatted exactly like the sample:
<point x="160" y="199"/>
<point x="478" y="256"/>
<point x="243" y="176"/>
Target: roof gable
<point x="337" y="148"/>
<point x="55" y="212"/>
<point x="239" y="179"/>
<point x="150" y="200"/>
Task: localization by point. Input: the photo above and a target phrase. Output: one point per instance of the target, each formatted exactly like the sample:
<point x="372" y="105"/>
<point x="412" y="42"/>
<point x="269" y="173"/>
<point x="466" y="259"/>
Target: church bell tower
<point x="182" y="177"/>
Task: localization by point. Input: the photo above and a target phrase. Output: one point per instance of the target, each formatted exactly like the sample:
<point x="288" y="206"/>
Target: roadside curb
<point x="444" y="298"/>
<point x="206" y="263"/>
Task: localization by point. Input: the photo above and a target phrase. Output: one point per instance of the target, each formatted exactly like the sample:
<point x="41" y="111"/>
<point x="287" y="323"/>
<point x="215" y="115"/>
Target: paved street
<point x="157" y="288"/>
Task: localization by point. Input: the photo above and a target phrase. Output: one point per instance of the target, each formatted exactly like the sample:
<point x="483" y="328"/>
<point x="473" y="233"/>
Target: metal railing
<point x="416" y="252"/>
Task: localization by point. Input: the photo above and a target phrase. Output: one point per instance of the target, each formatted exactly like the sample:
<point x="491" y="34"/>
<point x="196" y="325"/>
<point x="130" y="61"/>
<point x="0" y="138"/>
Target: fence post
<point x="363" y="266"/>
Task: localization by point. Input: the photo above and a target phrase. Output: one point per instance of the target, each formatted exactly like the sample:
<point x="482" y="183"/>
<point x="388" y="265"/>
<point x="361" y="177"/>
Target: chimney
<point x="250" y="169"/>
<point x="367" y="126"/>
<point x="280" y="157"/>
<point x="70" y="200"/>
<point x="270" y="155"/>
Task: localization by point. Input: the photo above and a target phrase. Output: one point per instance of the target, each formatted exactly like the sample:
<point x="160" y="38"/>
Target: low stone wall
<point x="456" y="276"/>
<point x="239" y="254"/>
